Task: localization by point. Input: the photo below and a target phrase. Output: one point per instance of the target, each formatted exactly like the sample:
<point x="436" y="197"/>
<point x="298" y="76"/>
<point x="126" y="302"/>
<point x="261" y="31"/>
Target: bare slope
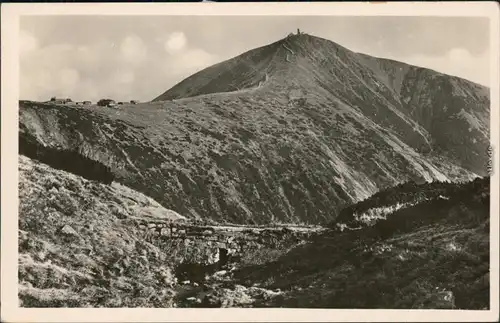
<point x="289" y="132"/>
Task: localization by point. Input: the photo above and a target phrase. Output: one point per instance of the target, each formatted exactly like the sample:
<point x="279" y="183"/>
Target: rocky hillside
<point x="289" y="132"/>
<point x="84" y="243"/>
<point x="87" y="244"/>
<point x="73" y="236"/>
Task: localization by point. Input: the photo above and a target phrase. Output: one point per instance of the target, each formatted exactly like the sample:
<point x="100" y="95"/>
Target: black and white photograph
<point x="253" y="161"/>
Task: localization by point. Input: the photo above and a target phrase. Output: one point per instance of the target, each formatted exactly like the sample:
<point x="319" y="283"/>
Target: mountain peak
<point x="306" y="44"/>
<point x="254" y="68"/>
<point x="305" y="39"/>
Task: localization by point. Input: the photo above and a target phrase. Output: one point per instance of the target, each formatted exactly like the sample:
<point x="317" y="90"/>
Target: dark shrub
<point x="104" y="102"/>
<point x="68" y="160"/>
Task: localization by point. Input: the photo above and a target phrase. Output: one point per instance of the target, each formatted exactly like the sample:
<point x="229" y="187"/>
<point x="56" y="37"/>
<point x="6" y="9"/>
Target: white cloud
<point x="55" y="70"/>
<point x="87" y="56"/>
<point x="133" y="49"/>
<point x="189" y="62"/>
<point x="458" y="61"/>
<point x="43" y="83"/>
<point x="184" y="61"/>
<point x="88" y="91"/>
<point x="69" y="77"/>
<point x="82" y="72"/>
<point x="175" y="43"/>
<point x="27" y="42"/>
<point x="458" y="55"/>
<point x="36" y="85"/>
<point x="123" y="77"/>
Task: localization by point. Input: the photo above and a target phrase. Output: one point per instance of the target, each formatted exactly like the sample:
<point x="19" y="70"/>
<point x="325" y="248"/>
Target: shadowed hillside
<point x="292" y="132"/>
<point x="434" y="254"/>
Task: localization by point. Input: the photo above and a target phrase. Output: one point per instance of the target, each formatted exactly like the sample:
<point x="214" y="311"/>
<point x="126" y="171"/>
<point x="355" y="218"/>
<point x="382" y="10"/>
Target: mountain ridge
<point x="403" y="105"/>
<point x="297" y="43"/>
<point x="291" y="131"/>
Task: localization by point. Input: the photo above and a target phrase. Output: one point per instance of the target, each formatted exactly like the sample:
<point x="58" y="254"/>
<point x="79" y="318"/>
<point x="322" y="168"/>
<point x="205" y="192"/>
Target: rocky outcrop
<point x="208" y="250"/>
<point x="233" y="241"/>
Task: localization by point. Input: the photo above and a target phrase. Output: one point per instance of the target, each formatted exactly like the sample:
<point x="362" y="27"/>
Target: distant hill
<point x="293" y="131"/>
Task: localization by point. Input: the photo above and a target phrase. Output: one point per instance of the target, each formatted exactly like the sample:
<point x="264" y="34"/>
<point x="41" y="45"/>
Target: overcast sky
<point x="139" y="57"/>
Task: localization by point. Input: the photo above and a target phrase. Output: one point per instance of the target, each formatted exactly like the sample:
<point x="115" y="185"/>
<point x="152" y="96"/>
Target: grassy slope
<point x="434" y="248"/>
<point x="322" y="132"/>
<point x="78" y="246"/>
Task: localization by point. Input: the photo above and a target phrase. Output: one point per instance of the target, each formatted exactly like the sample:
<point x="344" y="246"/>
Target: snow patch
<point x="371" y="216"/>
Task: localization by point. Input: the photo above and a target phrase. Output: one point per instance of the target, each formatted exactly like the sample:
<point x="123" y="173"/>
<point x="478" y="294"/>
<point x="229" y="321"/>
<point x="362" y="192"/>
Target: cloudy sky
<point x="139" y="57"/>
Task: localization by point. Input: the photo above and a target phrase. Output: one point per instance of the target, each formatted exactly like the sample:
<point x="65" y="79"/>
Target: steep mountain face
<point x="292" y="132"/>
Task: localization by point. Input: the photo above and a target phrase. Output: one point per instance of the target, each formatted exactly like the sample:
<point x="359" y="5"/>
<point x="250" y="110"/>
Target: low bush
<point x="104" y="102"/>
<point x="412" y="193"/>
<point x="70" y="160"/>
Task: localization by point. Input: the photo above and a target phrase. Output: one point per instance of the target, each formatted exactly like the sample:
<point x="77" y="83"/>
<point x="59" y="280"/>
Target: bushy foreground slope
<point x="77" y="246"/>
<point x="87" y="244"/>
<point x="293" y="132"/>
<point x="80" y="245"/>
